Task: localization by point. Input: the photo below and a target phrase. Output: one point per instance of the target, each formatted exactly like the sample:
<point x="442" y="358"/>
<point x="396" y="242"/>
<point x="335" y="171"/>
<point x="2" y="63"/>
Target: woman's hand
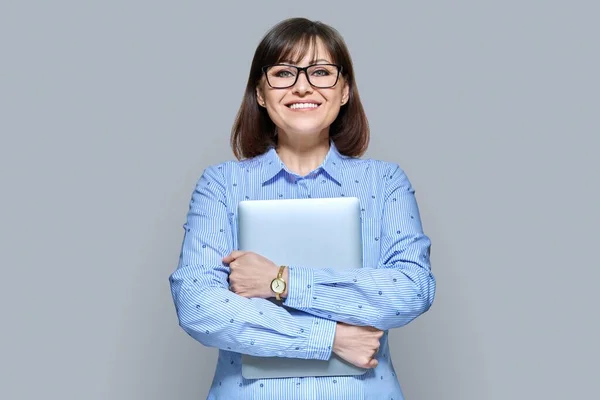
<point x="250" y="274"/>
<point x="357" y="344"/>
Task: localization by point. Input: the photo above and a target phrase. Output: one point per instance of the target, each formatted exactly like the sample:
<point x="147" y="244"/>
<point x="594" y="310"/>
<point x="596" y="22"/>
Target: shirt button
<point x="280" y="353"/>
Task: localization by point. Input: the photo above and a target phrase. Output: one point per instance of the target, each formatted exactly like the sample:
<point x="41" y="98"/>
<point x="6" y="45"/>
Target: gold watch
<point x="278" y="284"/>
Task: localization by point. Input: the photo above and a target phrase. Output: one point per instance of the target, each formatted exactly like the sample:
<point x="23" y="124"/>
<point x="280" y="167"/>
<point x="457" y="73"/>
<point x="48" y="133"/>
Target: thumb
<point x="232" y="256"/>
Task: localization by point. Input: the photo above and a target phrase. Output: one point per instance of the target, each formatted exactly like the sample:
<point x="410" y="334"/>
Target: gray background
<point x="110" y="110"/>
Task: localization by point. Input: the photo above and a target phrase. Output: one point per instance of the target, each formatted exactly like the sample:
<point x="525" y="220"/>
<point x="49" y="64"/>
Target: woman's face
<point x="282" y="104"/>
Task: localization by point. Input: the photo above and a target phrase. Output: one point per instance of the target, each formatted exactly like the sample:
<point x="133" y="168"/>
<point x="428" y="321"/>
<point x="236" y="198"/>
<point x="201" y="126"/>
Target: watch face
<point x="277" y="285"/>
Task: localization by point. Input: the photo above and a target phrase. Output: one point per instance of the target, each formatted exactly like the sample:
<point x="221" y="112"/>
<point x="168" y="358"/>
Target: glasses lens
<point x="283" y="76"/>
<point x="323" y="75"/>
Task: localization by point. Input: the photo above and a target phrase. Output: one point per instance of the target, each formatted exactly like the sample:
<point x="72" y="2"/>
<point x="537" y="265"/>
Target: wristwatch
<point x="278" y="284"/>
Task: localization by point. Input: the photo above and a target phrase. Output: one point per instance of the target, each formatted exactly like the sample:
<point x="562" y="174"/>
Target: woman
<point x="299" y="132"/>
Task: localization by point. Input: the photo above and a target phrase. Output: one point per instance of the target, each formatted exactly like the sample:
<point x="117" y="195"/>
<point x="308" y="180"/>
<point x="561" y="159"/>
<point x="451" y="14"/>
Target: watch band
<point x="280" y="277"/>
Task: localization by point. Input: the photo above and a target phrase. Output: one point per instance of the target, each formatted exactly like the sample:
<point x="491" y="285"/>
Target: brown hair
<point x="253" y="131"/>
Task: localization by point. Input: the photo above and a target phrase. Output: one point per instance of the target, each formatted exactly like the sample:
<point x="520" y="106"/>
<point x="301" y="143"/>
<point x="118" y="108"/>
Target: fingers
<point x="370" y="362"/>
<point x="376" y="349"/>
<point x="232" y="256"/>
<point x="373" y="361"/>
<point x="358" y="344"/>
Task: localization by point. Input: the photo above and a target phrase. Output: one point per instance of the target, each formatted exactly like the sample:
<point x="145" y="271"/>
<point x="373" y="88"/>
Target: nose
<point x="302" y="85"/>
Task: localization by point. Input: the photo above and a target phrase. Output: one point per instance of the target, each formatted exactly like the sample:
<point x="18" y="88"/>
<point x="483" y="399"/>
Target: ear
<point x="345" y="93"/>
<point x="260" y="98"/>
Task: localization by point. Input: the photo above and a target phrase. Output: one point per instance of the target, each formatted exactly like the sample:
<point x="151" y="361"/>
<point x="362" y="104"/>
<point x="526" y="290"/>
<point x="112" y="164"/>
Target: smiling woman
<point x="299" y="133"/>
<point x="301" y="62"/>
<point x="286" y="90"/>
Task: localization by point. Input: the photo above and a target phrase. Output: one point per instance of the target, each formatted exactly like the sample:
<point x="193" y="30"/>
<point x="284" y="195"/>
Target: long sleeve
<point x="385" y="296"/>
<point x="213" y="315"/>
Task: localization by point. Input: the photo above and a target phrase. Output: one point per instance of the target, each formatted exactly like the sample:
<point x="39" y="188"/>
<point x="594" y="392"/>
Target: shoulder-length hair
<point x="254" y="132"/>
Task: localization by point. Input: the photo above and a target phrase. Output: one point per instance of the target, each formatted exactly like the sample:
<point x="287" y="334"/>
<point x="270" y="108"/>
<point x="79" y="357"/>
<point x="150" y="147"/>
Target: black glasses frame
<point x="300" y="70"/>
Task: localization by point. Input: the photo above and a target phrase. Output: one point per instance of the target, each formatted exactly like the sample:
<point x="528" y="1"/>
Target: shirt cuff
<point x="299" y="287"/>
<point x="321" y="338"/>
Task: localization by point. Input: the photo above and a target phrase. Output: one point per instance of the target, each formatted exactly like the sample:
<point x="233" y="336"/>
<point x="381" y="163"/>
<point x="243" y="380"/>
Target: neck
<point x="303" y="155"/>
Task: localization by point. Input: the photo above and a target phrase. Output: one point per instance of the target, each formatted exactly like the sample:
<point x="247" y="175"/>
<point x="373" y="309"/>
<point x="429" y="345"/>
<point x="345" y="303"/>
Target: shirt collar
<point x="272" y="164"/>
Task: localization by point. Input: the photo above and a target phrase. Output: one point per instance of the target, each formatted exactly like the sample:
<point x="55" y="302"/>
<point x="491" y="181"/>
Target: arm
<point x="213" y="315"/>
<point x="391" y="295"/>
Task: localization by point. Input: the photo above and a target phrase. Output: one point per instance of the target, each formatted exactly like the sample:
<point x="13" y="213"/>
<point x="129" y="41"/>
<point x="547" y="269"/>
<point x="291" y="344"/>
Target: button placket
<point x="303" y="188"/>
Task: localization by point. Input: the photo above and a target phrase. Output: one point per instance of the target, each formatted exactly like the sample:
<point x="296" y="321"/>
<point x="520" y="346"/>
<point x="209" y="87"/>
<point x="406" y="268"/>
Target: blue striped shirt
<point x="394" y="287"/>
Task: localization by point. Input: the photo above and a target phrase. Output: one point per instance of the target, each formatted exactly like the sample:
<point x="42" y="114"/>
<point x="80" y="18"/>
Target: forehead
<point x="307" y="50"/>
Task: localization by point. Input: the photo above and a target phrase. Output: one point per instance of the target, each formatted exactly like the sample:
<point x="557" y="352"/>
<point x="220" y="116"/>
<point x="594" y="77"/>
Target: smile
<point x="303" y="106"/>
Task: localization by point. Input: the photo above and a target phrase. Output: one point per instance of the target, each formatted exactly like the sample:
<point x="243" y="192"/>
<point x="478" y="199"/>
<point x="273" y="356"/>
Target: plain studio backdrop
<point x="110" y="111"/>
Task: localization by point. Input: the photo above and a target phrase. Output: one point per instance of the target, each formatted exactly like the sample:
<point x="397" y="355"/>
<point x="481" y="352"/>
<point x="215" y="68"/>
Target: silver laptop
<point x="316" y="233"/>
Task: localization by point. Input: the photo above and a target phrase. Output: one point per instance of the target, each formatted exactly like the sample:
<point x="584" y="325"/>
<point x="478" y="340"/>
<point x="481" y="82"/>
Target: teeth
<point x="303" y="105"/>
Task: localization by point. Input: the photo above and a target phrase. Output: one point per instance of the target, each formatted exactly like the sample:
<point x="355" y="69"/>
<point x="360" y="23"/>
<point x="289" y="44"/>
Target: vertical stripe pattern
<point x="394" y="287"/>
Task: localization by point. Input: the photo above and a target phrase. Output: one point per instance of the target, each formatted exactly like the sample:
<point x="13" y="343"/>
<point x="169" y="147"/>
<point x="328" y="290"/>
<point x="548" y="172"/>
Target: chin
<point x="307" y="131"/>
<point x="307" y="127"/>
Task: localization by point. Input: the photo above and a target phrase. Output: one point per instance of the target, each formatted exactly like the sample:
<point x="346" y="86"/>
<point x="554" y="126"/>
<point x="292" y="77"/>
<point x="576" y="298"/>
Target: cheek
<point x="335" y="97"/>
<point x="273" y="99"/>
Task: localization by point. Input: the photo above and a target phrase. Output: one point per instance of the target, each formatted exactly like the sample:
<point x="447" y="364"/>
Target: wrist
<point x="336" y="337"/>
<point x="286" y="278"/>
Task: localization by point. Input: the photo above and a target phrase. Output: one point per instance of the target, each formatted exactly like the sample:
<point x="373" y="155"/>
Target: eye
<point x="282" y="72"/>
<point x="321" y="72"/>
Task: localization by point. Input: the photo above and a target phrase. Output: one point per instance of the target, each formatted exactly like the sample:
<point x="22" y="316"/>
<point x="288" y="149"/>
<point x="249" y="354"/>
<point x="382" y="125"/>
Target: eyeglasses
<point x="282" y="76"/>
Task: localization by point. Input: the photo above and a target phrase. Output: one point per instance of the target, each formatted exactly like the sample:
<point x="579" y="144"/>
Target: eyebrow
<point x="320" y="60"/>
